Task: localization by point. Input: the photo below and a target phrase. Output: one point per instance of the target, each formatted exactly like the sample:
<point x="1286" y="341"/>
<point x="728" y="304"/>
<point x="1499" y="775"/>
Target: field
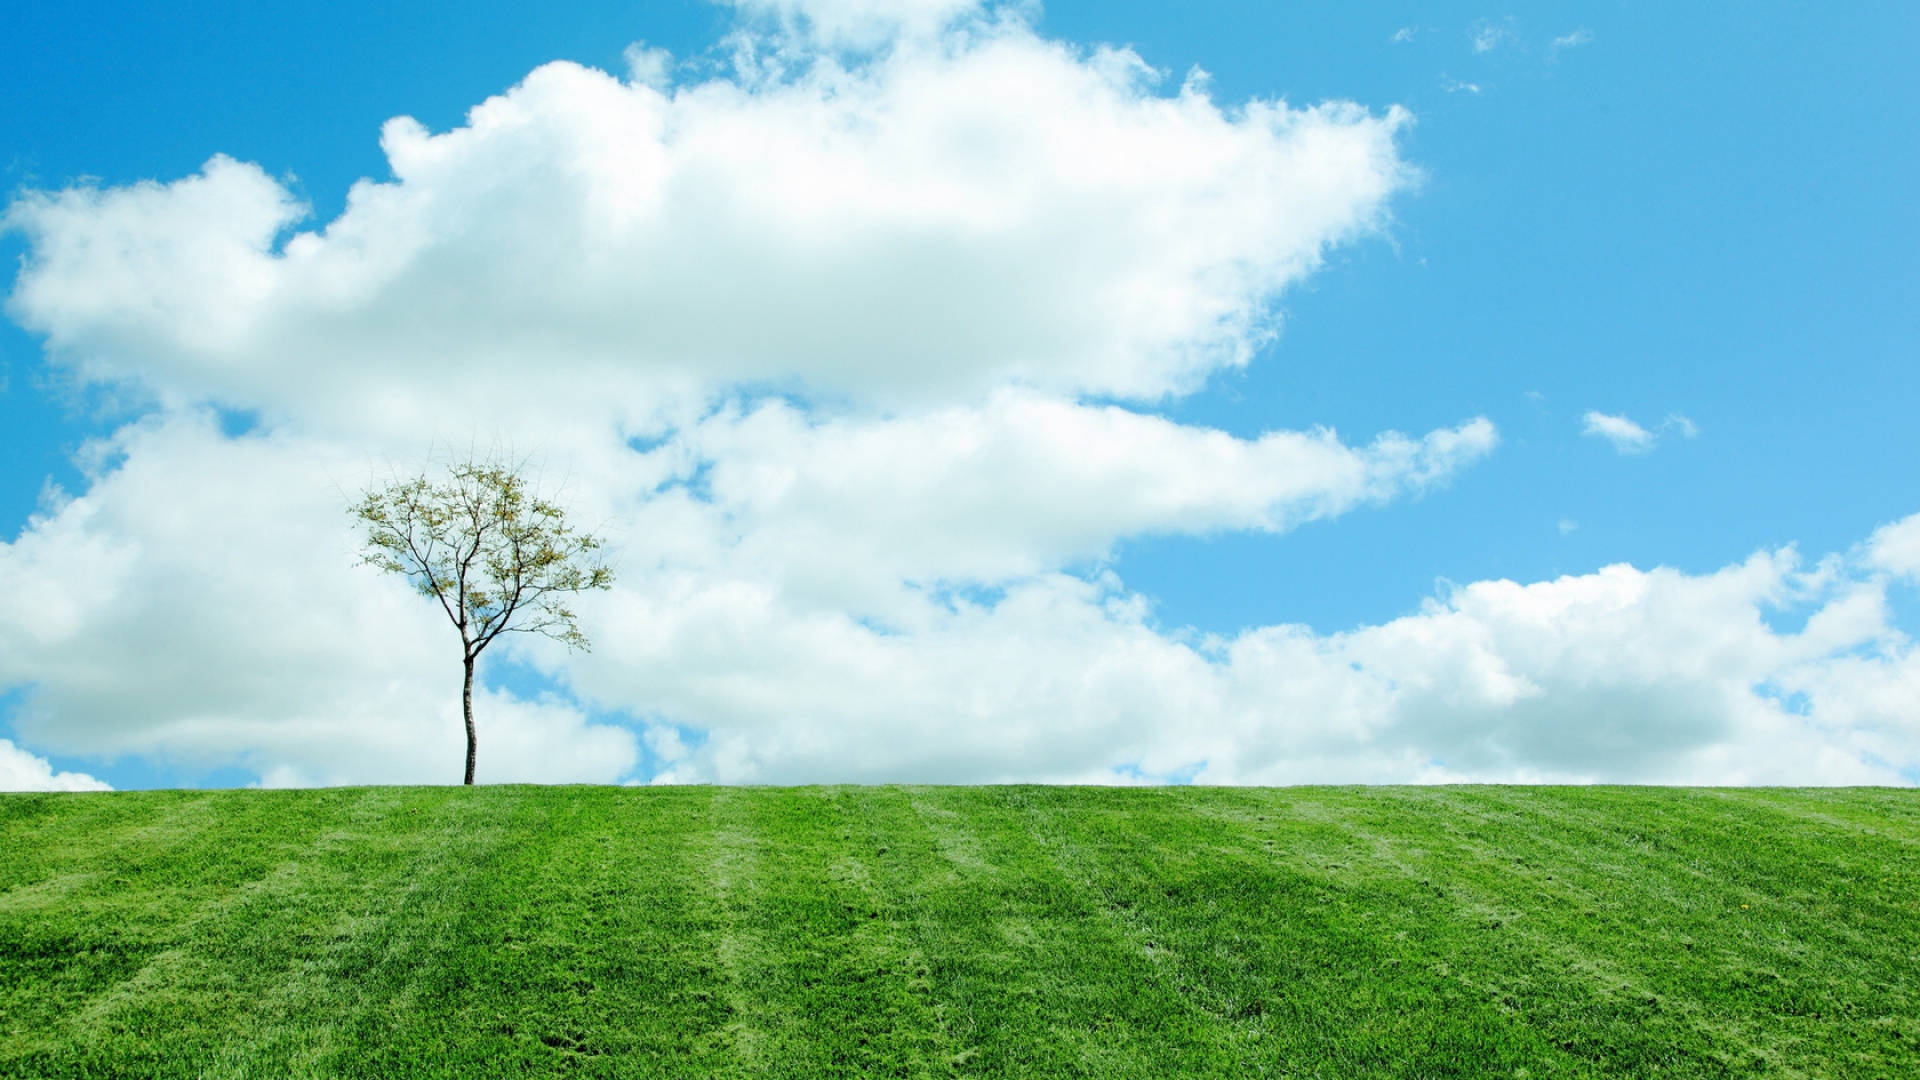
<point x="1009" y="932"/>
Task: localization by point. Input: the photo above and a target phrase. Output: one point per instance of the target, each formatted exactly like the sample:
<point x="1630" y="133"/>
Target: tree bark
<point x="466" y="706"/>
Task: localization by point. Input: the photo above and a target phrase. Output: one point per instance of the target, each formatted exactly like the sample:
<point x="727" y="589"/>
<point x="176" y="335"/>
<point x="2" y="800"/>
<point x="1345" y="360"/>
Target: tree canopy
<point x="497" y="557"/>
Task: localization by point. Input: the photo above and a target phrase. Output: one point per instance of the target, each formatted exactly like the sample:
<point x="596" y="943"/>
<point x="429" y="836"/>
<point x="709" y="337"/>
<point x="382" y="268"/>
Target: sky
<point x="1226" y="393"/>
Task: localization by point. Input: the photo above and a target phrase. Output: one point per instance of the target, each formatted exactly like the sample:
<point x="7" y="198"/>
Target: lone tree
<point x="499" y="558"/>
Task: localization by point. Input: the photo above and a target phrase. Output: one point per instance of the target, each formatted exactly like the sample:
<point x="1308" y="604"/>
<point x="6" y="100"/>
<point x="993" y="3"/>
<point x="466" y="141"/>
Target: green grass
<point x="1011" y="932"/>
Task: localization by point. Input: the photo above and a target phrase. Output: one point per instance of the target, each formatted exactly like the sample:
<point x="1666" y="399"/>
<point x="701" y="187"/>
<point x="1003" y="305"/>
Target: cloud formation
<point x="1571" y="40"/>
<point x="1028" y="484"/>
<point x="749" y="650"/>
<point x="199" y="603"/>
<point x="1625" y="435"/>
<point x="21" y="771"/>
<point x="855" y="24"/>
<point x="1629" y="437"/>
<point x="852" y="352"/>
<point x="1895" y="548"/>
<point x="960" y="212"/>
<point x="1486" y="35"/>
<point x="935" y="248"/>
<point x="1621" y="674"/>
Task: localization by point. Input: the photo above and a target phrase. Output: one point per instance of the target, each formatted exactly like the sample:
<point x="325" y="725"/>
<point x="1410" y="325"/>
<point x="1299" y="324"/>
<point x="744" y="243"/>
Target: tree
<point x="497" y="557"/>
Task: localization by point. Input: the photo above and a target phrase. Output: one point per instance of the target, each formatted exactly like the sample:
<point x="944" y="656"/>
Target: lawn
<point x="973" y="931"/>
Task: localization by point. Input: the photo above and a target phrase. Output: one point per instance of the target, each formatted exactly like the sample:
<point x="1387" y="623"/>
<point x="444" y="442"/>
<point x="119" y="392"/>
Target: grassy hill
<point x="1012" y="932"/>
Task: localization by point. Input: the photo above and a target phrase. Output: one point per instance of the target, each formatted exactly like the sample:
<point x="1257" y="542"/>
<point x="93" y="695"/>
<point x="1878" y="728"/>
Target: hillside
<point x="1011" y="932"/>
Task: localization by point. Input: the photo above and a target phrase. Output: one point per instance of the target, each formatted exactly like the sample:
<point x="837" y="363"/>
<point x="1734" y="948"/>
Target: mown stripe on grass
<point x="1005" y="932"/>
<point x="262" y="983"/>
<point x="1315" y="969"/>
<point x="1034" y="970"/>
<point x="560" y="953"/>
<point x="729" y="853"/>
<point x="1631" y="943"/>
<point x="811" y="950"/>
<point x="1543" y="944"/>
<point x="370" y="972"/>
<point x="165" y="888"/>
<point x="1791" y="953"/>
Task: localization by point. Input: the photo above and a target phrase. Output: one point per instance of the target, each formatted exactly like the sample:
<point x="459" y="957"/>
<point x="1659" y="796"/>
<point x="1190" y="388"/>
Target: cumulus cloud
<point x="21" y="771"/>
<point x="199" y="603"/>
<point x="934" y="231"/>
<point x="1895" y="548"/>
<point x="925" y="225"/>
<point x="1028" y="484"/>
<point x="1621" y="674"/>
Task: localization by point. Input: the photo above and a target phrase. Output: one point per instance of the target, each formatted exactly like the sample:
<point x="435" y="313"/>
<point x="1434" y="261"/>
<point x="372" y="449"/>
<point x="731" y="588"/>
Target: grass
<point x="1008" y="932"/>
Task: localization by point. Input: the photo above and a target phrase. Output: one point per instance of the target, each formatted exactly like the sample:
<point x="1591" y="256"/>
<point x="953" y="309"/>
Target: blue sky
<point x="1699" y="220"/>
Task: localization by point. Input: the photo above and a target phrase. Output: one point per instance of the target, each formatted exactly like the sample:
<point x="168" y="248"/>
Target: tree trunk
<point x="466" y="706"/>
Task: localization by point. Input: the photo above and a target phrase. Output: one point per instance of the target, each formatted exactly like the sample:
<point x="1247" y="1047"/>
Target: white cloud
<point x="924" y="225"/>
<point x="1572" y="40"/>
<point x="1621" y="675"/>
<point x="200" y="603"/>
<point x="963" y="233"/>
<point x="1402" y="35"/>
<point x="1456" y="86"/>
<point x="1625" y="435"/>
<point x="1895" y="548"/>
<point x="858" y="24"/>
<point x="1568" y="526"/>
<point x="1027" y="484"/>
<point x="1630" y="438"/>
<point x="648" y="66"/>
<point x="1487" y="35"/>
<point x="21" y="771"/>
